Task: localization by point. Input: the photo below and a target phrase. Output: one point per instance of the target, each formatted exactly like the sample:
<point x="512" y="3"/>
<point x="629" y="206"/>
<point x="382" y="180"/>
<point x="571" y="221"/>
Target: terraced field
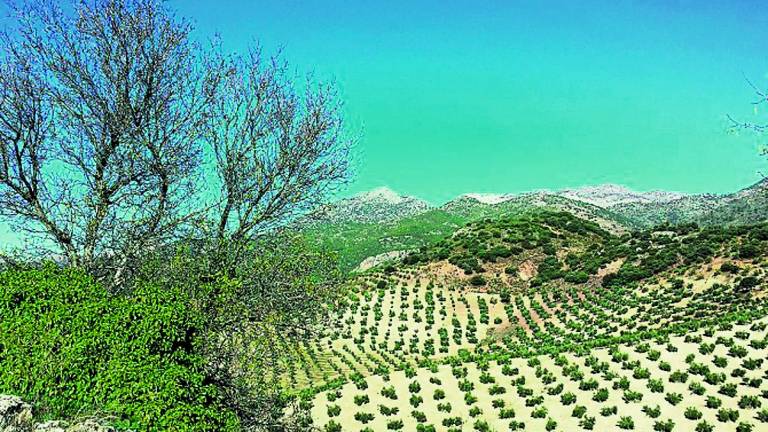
<point x="516" y="341"/>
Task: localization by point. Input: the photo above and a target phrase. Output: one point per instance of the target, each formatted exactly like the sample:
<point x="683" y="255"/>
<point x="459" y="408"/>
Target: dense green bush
<point x="747" y="284"/>
<point x="577" y="277"/>
<point x="477" y="280"/>
<point x="72" y="348"/>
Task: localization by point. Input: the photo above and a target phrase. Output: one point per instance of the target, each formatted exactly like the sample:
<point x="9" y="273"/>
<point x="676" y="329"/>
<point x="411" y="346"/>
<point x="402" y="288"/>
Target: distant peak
<point x="382" y="193"/>
<point x="604" y="188"/>
<point x="762" y="183"/>
<point x="758" y="187"/>
<point x="610" y="194"/>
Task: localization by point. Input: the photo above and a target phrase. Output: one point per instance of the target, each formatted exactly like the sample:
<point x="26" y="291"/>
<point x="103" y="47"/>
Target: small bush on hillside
<point x="579" y="411"/>
<point x="332" y="426"/>
<point x="664" y="426"/>
<point x="626" y="423"/>
<point x="477" y="280"/>
<point x="747" y="284"/>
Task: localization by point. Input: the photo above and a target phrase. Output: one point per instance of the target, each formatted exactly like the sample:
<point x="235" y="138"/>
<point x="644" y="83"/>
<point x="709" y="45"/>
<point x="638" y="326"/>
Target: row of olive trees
<point x="120" y="134"/>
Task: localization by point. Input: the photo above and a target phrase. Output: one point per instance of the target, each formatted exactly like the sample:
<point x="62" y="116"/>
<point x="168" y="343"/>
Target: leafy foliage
<point x="73" y="348"/>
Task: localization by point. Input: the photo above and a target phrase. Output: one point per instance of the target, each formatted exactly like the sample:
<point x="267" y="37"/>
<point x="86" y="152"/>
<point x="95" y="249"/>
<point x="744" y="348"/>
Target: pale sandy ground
<point x="527" y="270"/>
<point x="558" y="412"/>
<point x="610" y="268"/>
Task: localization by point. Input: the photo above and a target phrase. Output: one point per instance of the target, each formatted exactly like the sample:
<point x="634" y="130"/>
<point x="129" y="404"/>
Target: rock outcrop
<point x="18" y="416"/>
<point x="15" y="414"/>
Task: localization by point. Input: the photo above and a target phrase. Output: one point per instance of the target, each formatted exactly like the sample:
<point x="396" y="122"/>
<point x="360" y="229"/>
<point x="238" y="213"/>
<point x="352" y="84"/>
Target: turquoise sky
<point x="509" y="96"/>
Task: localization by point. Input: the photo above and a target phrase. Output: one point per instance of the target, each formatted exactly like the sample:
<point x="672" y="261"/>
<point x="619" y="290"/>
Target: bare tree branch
<point x="115" y="97"/>
<point x="279" y="150"/>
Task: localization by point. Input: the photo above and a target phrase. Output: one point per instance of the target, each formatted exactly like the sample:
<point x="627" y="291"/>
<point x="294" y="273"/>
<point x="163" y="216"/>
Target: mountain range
<point x="376" y="206"/>
<point x="382" y="221"/>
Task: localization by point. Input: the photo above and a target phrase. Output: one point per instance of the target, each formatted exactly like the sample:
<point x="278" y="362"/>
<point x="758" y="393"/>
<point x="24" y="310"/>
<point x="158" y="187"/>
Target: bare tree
<point x="107" y="119"/>
<point x="100" y="123"/>
<point x="761" y="98"/>
<point x="114" y="126"/>
<point x="280" y="150"/>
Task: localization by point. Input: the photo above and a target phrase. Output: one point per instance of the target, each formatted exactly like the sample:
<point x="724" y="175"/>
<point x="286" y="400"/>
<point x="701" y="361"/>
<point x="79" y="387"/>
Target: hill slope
<point x="545" y="321"/>
<point x="382" y="221"/>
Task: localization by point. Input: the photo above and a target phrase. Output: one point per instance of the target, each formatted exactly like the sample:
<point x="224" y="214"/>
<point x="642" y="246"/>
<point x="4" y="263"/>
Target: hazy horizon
<point x="514" y="96"/>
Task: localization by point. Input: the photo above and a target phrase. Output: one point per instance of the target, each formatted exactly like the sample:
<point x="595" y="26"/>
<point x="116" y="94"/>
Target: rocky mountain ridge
<point x="616" y="204"/>
<point x="746" y="206"/>
<point x="379" y="205"/>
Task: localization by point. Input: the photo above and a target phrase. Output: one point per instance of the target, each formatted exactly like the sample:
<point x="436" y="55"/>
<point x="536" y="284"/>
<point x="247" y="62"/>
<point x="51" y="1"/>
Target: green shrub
<point x="332" y="426"/>
<point x="652" y="412"/>
<point x="673" y="398"/>
<point x="713" y="402"/>
<point x="439" y="394"/>
<point x="576" y="277"/>
<point x="664" y="426"/>
<point x="389" y="392"/>
<point x="726" y="414"/>
<point x="71" y="348"/>
<point x="626" y="423"/>
<point x="551" y="425"/>
<point x="692" y="413"/>
<point x="504" y="295"/>
<point x="477" y="280"/>
<point x="333" y="410"/>
<point x="587" y="423"/>
<point x="747" y="284"/>
<point x="506" y="413"/>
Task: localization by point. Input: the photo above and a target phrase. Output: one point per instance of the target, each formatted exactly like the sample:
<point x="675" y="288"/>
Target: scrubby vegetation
<point x="152" y="357"/>
<point x="72" y="347"/>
